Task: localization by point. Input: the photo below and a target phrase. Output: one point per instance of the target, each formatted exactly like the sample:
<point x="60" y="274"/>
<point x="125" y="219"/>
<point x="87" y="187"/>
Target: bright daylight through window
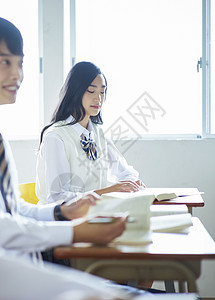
<point x="148" y="51"/>
<point x="22" y="118"/>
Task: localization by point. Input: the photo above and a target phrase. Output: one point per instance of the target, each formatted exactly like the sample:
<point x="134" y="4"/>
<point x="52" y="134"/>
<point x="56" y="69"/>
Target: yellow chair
<point x="27" y="191"/>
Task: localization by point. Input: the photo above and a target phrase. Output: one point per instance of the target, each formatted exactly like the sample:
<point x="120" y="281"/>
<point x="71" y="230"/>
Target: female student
<point x="74" y="156"/>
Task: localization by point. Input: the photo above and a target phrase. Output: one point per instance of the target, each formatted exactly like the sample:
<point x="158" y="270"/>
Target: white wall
<point x="171" y="163"/>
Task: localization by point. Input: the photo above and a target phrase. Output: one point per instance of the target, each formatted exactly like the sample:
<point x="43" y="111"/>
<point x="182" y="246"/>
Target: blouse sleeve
<point x="57" y="170"/>
<point x="28" y="235"/>
<point x="119" y="169"/>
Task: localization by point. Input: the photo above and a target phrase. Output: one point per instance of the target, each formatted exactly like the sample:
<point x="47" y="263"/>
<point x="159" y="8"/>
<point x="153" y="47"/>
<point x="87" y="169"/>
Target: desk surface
<point x="196" y="245"/>
<point x="194" y="200"/>
<point x="190" y="201"/>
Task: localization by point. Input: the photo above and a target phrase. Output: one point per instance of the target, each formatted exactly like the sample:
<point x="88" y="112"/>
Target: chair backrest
<point x="27" y="191"/>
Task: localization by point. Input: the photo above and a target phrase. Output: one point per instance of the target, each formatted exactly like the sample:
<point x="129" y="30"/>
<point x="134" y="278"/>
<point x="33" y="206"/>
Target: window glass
<point x="22" y="118"/>
<point x="148" y="50"/>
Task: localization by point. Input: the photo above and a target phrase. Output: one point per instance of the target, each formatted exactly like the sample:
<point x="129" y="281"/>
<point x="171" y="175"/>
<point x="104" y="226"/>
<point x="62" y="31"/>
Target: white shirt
<point x="56" y="164"/>
<point x="27" y="231"/>
<point x="21" y="280"/>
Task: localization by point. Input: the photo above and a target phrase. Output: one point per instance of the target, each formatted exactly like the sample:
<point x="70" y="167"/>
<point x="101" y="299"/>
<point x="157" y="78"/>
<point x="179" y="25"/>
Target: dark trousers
<point x="49" y="256"/>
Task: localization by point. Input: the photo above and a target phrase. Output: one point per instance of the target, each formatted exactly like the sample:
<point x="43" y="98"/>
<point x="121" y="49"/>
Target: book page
<point x="171" y="223"/>
<point x="164" y="210"/>
<point x="136" y="205"/>
<point x="159" y="194"/>
<point x="162" y="195"/>
<point x="134" y="237"/>
<point x="171" y="193"/>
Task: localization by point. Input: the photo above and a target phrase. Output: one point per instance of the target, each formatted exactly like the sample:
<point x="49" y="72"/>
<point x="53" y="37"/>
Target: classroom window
<point x="148" y="51"/>
<point x="22" y="118"/>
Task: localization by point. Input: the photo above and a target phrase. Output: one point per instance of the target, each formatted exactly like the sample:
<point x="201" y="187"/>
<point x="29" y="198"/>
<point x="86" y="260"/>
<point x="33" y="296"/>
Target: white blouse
<point x="56" y="163"/>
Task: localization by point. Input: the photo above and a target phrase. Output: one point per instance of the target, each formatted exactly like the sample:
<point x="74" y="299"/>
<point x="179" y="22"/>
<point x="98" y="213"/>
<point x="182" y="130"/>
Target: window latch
<point x="41" y="65"/>
<point x="199" y="64"/>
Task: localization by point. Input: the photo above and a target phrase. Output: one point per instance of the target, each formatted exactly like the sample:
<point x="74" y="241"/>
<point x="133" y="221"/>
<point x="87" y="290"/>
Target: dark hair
<point x="12" y="37"/>
<point x="76" y="84"/>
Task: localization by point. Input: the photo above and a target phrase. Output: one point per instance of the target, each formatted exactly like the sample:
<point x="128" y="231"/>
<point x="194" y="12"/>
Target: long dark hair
<point x="76" y="84"/>
<point x="12" y="37"/>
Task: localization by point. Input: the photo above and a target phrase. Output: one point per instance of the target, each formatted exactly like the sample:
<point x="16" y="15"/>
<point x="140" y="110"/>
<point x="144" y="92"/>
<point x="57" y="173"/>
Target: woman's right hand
<point x="122" y="186"/>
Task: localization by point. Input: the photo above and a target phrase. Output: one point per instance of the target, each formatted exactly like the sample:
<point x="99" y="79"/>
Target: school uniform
<point x="63" y="169"/>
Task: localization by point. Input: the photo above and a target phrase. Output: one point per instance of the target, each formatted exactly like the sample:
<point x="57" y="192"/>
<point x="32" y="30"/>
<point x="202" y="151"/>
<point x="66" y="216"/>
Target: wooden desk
<point x="190" y="201"/>
<point x="168" y="257"/>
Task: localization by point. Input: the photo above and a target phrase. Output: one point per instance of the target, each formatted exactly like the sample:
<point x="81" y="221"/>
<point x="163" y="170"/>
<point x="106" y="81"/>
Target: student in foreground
<point x="75" y="157"/>
<point x="26" y="229"/>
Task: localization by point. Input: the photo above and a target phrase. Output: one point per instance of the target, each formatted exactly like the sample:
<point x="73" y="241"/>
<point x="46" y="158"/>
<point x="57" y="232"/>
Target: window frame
<point x="206" y="69"/>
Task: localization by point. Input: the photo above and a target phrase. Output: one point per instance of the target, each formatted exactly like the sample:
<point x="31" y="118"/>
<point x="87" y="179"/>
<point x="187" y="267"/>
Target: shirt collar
<point x="89" y="132"/>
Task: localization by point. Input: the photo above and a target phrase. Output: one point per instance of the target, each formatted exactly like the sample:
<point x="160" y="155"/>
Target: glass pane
<point x="148" y="50"/>
<point x="22" y="118"/>
<point x="212" y="68"/>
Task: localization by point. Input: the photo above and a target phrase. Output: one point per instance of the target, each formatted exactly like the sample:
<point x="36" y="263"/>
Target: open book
<point x="159" y="194"/>
<point x="147" y="217"/>
<point x="138" y="208"/>
<point x="172" y="223"/>
<point x="170" y="218"/>
<point x="168" y="210"/>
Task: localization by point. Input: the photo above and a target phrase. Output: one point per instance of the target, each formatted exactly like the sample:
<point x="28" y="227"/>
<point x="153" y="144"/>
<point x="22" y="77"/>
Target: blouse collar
<point x="89" y="132"/>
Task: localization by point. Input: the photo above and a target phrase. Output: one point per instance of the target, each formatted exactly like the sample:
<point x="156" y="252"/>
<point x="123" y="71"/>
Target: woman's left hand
<point x="140" y="183"/>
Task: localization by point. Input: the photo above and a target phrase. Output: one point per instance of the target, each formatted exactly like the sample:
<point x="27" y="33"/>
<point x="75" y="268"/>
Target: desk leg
<point x="128" y="270"/>
<point x="169" y="286"/>
<point x="182" y="287"/>
<point x="190" y="210"/>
